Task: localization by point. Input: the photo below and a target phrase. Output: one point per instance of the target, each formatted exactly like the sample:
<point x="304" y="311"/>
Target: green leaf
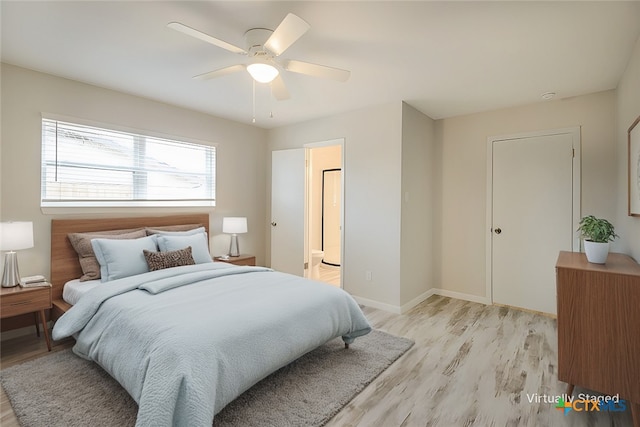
<point x="596" y="229"/>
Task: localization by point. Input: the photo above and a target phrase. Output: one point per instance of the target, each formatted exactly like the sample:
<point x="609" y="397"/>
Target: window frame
<point x="99" y="204"/>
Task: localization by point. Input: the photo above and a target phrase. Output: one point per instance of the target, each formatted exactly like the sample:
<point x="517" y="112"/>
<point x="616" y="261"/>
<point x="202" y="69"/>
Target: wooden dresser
<point x="599" y="325"/>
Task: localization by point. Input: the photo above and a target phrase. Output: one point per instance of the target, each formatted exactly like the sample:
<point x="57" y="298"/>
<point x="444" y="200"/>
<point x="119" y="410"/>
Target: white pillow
<point x="199" y="245"/>
<point x="198" y="230"/>
<point x="122" y="258"/>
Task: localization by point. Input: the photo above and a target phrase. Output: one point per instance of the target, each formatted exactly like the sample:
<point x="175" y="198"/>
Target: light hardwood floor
<point x="330" y="275"/>
<point x="472" y="365"/>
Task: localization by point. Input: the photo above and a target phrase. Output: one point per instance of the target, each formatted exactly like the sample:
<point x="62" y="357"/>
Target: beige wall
<point x="463" y="142"/>
<point x="372" y="185"/>
<point x="390" y="150"/>
<point x="26" y="94"/>
<point x="628" y="109"/>
<point x="1" y="139"/>
<point x="418" y="205"/>
<point x="389" y="180"/>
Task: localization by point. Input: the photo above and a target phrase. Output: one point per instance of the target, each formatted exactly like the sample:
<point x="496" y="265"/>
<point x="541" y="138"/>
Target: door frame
<point x="575" y="133"/>
<point x="307" y="239"/>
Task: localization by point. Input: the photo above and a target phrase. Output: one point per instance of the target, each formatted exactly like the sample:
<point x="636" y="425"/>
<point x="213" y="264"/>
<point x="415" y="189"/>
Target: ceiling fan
<point x="263" y="48"/>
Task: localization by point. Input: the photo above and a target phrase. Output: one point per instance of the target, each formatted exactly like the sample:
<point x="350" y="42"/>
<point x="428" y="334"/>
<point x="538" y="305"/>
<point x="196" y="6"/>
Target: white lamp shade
<point x="262" y="73"/>
<point x="16" y="235"/>
<point x="234" y="225"/>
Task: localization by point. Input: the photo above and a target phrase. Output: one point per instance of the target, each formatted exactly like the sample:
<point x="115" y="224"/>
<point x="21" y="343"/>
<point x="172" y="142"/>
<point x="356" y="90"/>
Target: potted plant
<point x="597" y="233"/>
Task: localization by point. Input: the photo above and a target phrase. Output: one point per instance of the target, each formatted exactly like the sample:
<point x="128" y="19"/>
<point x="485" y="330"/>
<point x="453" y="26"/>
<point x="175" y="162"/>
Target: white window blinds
<point x="89" y="166"/>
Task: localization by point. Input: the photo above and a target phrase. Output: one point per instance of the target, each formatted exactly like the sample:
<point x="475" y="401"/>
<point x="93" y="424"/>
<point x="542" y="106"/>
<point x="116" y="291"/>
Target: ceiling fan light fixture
<point x="262" y="73"/>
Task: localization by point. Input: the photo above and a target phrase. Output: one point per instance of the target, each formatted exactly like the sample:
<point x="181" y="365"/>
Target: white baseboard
<point x="379" y="305"/>
<point x="416" y="301"/>
<point x="419" y="299"/>
<point x="462" y="296"/>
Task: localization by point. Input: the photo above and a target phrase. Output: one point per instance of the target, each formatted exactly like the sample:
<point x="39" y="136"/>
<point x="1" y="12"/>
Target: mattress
<point x="74" y="289"/>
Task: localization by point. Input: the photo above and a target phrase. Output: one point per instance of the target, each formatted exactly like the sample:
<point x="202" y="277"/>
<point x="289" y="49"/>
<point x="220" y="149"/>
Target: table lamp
<point x="234" y="226"/>
<point x="13" y="237"/>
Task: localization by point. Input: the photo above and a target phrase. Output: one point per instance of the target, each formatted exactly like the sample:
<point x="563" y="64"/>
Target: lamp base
<point x="10" y="275"/>
<point x="234" y="246"/>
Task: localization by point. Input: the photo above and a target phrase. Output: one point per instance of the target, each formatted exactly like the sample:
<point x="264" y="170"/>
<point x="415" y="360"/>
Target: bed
<point x="64" y="259"/>
<point x="186" y="341"/>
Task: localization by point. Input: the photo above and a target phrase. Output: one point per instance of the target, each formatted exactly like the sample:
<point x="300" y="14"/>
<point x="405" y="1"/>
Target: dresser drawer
<point x="25" y="302"/>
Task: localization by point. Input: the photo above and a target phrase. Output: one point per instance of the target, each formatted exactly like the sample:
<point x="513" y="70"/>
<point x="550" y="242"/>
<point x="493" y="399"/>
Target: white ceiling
<point x="443" y="58"/>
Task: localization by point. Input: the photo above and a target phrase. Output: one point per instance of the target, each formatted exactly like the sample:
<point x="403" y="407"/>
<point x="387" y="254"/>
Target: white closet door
<point x="532" y="218"/>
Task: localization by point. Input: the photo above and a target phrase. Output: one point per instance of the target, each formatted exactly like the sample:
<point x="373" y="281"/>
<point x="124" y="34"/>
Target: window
<point x="89" y="166"/>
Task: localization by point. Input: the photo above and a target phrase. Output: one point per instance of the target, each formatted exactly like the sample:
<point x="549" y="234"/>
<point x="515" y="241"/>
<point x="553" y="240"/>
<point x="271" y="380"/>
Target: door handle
<point x="498" y="230"/>
<point x="273" y="224"/>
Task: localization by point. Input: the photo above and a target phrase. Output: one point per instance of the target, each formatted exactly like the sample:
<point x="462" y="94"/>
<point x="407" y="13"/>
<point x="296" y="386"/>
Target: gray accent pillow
<point x="162" y="260"/>
<point x="81" y="242"/>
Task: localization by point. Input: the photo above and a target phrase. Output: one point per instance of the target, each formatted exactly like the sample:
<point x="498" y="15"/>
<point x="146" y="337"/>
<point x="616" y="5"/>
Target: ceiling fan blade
<point x="290" y="29"/>
<point x="220" y="72"/>
<point x="279" y="90"/>
<point x="316" y="70"/>
<point x="205" y="37"/>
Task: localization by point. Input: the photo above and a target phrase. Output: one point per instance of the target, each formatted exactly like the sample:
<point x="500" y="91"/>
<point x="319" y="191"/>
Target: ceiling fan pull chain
<point x="253" y="120"/>
<point x="271" y="102"/>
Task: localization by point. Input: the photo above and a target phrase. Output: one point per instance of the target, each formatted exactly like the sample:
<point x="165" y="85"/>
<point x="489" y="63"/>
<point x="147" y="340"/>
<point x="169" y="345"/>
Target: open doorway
<point x="325" y="212"/>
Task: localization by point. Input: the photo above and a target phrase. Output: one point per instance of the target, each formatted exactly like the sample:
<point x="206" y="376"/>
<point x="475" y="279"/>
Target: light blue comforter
<point x="186" y="341"/>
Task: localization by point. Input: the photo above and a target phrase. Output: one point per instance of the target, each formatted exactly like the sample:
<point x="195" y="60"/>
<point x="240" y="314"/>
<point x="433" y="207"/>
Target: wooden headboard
<point x="64" y="259"/>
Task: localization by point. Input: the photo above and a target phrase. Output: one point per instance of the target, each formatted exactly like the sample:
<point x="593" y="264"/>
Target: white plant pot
<point x="596" y="252"/>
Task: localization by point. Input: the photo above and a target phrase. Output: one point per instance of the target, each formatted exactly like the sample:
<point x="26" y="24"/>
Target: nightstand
<point x="242" y="259"/>
<point x="18" y="300"/>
